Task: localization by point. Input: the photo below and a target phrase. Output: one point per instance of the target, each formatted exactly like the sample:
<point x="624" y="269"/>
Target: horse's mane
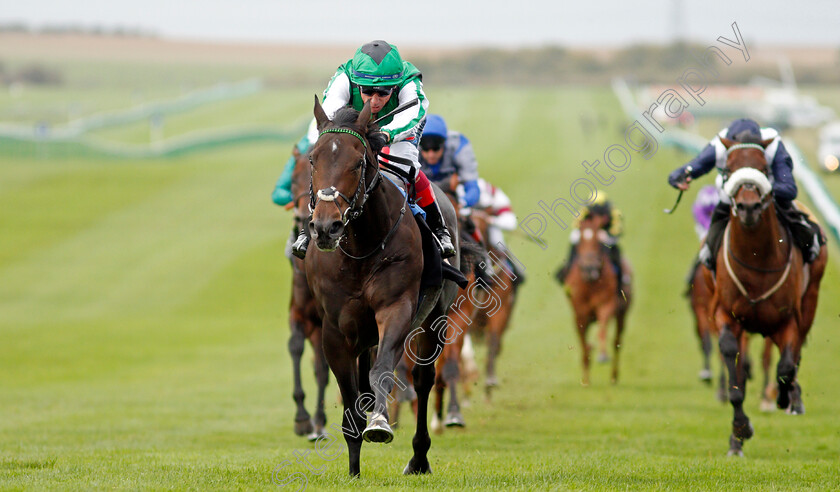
<point x="346" y="118"/>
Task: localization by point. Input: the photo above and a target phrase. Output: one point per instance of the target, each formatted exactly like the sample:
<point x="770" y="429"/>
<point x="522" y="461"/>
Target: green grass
<point x="143" y="325"/>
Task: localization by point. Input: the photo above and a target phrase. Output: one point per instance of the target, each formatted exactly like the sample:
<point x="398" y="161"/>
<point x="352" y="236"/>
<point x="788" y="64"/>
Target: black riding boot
<point x="805" y="235"/>
<point x="302" y="242"/>
<point x="438" y="227"/>
<point x="708" y="253"/>
<point x="563" y="271"/>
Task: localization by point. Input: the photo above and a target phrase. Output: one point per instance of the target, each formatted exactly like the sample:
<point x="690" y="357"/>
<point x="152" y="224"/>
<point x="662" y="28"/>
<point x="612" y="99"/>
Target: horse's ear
<point x="765" y="143"/>
<point x="726" y="142"/>
<point x="321" y="119"/>
<point x="364" y="117"/>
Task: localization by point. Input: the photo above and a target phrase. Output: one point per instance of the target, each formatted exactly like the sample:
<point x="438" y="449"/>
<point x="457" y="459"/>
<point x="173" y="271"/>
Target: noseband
<point x="331" y="194"/>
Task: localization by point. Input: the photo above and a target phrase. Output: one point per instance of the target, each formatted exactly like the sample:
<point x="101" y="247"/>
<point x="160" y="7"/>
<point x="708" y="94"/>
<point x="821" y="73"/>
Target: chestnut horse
<point x="365" y="275"/>
<point x="761" y="286"/>
<point x="592" y="288"/>
<point x="304" y="322"/>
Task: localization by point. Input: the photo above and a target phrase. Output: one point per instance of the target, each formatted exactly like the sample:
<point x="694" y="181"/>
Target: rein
<point x="777" y="286"/>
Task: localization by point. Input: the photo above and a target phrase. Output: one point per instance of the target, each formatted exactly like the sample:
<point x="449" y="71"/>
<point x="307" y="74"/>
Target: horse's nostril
<point x="336" y="228"/>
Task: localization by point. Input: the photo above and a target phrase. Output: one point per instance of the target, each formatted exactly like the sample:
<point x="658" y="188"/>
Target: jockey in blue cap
<point x="445" y="152"/>
<point x="806" y="235"/>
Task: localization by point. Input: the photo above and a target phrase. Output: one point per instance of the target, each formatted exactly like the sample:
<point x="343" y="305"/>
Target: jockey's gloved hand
<point x="385" y="136"/>
<point x="465" y="211"/>
<point x="678" y="176"/>
<point x="471" y="193"/>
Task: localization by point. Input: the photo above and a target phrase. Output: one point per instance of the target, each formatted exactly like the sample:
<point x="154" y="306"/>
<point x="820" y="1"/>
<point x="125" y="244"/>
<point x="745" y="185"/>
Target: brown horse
<point x="761" y="285"/>
<point x="365" y="275"/>
<point x="493" y="316"/>
<point x="592" y="288"/>
<point x="304" y="322"/>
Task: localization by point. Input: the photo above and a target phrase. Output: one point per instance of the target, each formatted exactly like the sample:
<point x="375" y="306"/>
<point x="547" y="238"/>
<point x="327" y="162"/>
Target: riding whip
<point x="688" y="170"/>
<point x="398" y="109"/>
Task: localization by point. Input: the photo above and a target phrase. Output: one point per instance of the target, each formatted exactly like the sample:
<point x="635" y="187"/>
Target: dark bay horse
<point x="304" y="322"/>
<point x="761" y="286"/>
<point x="365" y="275"/>
<point x="592" y="288"/>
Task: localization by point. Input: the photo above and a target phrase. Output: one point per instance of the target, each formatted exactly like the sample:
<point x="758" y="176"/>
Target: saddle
<point x="435" y="270"/>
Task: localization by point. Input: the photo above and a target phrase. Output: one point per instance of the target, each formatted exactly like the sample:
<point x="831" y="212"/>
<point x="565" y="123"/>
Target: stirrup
<point x="300" y="245"/>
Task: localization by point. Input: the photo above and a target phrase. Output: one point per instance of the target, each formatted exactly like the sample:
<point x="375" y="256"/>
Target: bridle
<point x="762" y="188"/>
<point x="355" y="205"/>
<point x="331" y="194"/>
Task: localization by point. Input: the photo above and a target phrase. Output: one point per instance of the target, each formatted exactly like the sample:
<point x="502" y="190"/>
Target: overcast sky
<point x="447" y="22"/>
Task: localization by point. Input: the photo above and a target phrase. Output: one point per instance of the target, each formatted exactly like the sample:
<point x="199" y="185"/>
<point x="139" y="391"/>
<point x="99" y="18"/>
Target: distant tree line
<point x="552" y="65"/>
<point x="120" y="31"/>
<point x="32" y="74"/>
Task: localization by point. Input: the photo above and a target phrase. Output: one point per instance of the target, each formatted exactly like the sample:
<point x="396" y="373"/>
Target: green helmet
<point x="377" y="64"/>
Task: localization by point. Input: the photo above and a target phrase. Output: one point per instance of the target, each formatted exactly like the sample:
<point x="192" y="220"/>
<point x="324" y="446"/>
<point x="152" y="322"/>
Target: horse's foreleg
<point x="344" y="366"/>
<point x="450" y="373"/>
<point x="428" y="348"/>
<point x="393" y="322"/>
<point x="322" y="376"/>
<point x="619" y="330"/>
<point x="769" y="388"/>
<point x="297" y="339"/>
<point x="582" y="322"/>
<point x="732" y="348"/>
<point x="789" y="397"/>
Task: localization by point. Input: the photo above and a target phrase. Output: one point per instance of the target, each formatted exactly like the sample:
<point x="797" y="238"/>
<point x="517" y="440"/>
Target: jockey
<point x="704" y="205"/>
<point x="805" y="235"/>
<point x="614" y="227"/>
<point x="378" y="74"/>
<point x="497" y="205"/>
<point x="445" y="152"/>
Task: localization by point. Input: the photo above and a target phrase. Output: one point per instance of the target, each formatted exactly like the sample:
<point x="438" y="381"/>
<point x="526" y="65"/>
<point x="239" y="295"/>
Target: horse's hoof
<point x="767" y="406"/>
<point x="742" y="432"/>
<point x="706" y="376"/>
<point x="736" y="446"/>
<point x="435" y="425"/>
<point x="318" y="433"/>
<point x="413" y="469"/>
<point x="491" y="382"/>
<point x="796" y="409"/>
<point x="783" y="400"/>
<point x="454" y="419"/>
<point x="304" y="427"/>
<point x="603" y="358"/>
<point x="378" y="430"/>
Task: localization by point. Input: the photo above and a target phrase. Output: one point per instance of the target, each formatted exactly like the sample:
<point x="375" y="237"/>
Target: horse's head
<point x="344" y="171"/>
<point x="590" y="251"/>
<point x="747" y="184"/>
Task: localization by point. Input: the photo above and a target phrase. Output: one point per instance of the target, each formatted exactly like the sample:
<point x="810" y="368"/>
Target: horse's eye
<point x="360" y="163"/>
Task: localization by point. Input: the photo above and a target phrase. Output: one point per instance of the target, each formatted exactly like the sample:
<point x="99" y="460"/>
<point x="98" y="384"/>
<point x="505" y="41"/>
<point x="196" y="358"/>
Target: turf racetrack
<point x="143" y="318"/>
